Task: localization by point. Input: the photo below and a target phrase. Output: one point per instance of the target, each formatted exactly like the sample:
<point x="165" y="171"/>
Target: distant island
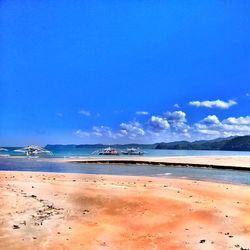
<point x="236" y="143"/>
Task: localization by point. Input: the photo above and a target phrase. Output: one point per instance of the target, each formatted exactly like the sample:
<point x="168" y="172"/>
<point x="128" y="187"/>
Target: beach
<point x="78" y="211"/>
<point x="216" y="161"/>
<point x="125" y="125"/>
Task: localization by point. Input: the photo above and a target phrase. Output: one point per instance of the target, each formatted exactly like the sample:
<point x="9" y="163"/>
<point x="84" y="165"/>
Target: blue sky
<point x="77" y="72"/>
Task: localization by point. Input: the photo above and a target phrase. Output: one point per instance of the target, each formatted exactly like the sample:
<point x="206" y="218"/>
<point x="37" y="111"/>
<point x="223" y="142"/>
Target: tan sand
<point x="226" y="161"/>
<point x="76" y="211"/>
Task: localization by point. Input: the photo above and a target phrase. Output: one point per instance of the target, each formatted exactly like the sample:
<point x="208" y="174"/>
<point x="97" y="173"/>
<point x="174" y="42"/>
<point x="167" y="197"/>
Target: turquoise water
<point x="71" y="152"/>
<point x="38" y="165"/>
<point x="33" y="164"/>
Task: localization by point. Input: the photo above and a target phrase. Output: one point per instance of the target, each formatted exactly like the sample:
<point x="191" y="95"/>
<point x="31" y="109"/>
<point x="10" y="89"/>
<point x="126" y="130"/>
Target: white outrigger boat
<point x="132" y="151"/>
<point x="33" y="150"/>
<point x="109" y="151"/>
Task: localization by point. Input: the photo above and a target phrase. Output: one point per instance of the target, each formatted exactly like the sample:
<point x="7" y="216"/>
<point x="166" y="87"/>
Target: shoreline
<point x="217" y="162"/>
<point x="42" y="210"/>
<point x="241" y="163"/>
<point x="156" y="177"/>
<point x="173" y="161"/>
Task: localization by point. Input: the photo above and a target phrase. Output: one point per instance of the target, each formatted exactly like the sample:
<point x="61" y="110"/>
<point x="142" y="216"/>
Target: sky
<point x="123" y="71"/>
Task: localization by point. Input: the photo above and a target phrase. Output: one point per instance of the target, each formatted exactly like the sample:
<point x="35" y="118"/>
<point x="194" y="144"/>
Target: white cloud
<point x="176" y="116"/>
<point x="238" y="121"/>
<point x="231" y="126"/>
<point x="170" y="126"/>
<point x="103" y="131"/>
<point x="81" y="133"/>
<point x="84" y="112"/>
<point x="132" y="129"/>
<point x="213" y="104"/>
<point x="247" y="94"/>
<point x="177" y="105"/>
<point x="211" y="119"/>
<point x="141" y="113"/>
<point x="159" y="123"/>
<point x="209" y="132"/>
<point x="178" y="122"/>
<point x="97" y="131"/>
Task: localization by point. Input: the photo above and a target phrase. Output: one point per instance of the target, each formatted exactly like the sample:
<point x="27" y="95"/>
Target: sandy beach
<point x="216" y="161"/>
<point x="78" y="211"/>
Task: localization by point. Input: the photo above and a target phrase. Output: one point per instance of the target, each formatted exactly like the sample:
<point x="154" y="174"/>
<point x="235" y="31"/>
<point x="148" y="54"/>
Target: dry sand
<point x="78" y="211"/>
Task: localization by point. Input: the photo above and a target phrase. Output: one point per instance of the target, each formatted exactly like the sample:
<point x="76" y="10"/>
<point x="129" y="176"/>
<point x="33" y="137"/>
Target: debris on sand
<point x="15" y="227"/>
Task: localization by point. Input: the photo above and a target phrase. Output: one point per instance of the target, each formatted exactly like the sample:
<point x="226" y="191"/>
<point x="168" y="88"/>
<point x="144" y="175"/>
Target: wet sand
<point x="220" y="162"/>
<point x="79" y="211"/>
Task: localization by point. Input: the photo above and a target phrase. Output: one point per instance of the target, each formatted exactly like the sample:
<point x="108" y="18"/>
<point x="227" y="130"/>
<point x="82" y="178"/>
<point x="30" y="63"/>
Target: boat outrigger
<point x="132" y="151"/>
<point x="109" y="151"/>
<point x="33" y="150"/>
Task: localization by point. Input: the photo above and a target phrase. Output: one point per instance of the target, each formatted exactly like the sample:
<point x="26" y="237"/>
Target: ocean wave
<point x="164" y="174"/>
<point x="4" y="155"/>
<point x="3" y="149"/>
<point x="19" y="150"/>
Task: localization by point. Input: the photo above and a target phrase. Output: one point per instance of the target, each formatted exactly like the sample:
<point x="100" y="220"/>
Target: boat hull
<point x="101" y="153"/>
<point x="132" y="153"/>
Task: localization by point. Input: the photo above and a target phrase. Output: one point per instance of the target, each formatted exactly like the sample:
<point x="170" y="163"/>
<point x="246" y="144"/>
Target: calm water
<point x="231" y="176"/>
<point x="72" y="152"/>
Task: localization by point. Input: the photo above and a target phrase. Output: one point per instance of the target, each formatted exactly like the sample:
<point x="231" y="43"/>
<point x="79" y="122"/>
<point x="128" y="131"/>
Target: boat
<point x="132" y="151"/>
<point x="109" y="151"/>
<point x="33" y="150"/>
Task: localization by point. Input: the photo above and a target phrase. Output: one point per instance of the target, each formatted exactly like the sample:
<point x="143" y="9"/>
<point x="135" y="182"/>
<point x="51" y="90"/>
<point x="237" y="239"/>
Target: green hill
<point x="239" y="143"/>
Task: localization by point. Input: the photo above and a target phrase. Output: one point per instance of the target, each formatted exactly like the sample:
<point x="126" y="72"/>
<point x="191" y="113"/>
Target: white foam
<point x="3" y="149"/>
<point x="4" y="155"/>
<point x="165" y="174"/>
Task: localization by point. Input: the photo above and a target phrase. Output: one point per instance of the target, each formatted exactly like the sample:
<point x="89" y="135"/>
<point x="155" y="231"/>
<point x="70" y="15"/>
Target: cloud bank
<point x="169" y="126"/>
<point x="214" y="104"/>
<point x="231" y="126"/>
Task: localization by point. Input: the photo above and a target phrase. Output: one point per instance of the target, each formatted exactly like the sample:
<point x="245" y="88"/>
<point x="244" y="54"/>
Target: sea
<point x="9" y="163"/>
<point x="67" y="152"/>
